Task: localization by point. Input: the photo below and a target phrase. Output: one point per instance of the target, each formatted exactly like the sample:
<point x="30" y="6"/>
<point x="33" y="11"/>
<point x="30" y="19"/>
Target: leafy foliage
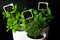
<point x="13" y="19"/>
<point x="38" y="23"/>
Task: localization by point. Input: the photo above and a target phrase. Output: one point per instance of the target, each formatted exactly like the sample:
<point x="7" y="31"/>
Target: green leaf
<point x="31" y="9"/>
<point x="7" y="14"/>
<point x="44" y="19"/>
<point x="17" y="16"/>
<point x="13" y="30"/>
<point x="15" y="22"/>
<point x="47" y="15"/>
<point x="11" y="26"/>
<point x="9" y="20"/>
<point x="22" y="16"/>
<point x="35" y="12"/>
<point x="23" y="21"/>
<point x="16" y="26"/>
<point x="48" y="11"/>
<point x="36" y="18"/>
<point x="7" y="30"/>
<point x="40" y="15"/>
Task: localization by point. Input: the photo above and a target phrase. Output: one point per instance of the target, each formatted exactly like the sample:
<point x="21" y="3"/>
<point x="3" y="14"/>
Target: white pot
<point x="19" y="35"/>
<point x="43" y="34"/>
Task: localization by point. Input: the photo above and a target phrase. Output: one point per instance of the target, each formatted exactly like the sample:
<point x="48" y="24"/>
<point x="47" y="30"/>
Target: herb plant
<point x="38" y="23"/>
<point x="14" y="19"/>
<point x="33" y="27"/>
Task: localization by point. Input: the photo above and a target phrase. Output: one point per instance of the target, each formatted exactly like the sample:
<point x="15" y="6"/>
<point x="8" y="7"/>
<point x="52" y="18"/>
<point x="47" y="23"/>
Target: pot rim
<point x="43" y="34"/>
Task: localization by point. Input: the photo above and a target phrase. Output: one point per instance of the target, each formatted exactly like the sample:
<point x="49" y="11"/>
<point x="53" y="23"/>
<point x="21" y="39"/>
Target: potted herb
<point x="31" y="27"/>
<point x="37" y="24"/>
<point x="15" y="21"/>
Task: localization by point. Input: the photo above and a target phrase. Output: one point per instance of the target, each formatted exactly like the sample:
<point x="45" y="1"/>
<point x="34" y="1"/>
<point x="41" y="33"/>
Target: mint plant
<point x="14" y="19"/>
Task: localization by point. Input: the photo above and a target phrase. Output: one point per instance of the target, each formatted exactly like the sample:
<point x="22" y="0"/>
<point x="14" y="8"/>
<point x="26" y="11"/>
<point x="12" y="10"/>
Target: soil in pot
<point x="39" y="37"/>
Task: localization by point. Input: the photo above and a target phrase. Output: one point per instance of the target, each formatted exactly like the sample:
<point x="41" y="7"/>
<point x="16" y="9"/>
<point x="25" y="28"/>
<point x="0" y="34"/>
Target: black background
<point x="54" y="25"/>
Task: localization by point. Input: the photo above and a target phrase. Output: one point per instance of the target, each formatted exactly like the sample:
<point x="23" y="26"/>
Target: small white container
<point x="43" y="34"/>
<point x="19" y="35"/>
